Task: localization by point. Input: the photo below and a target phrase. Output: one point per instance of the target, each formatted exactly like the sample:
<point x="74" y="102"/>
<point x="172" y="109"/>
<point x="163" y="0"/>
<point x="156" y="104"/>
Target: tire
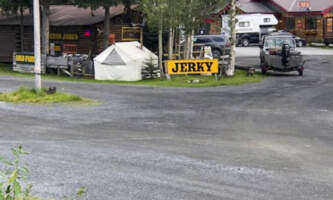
<point x="300" y="72"/>
<point x="263" y="70"/>
<point x="245" y="42"/>
<point x="300" y="44"/>
<point x="216" y="53"/>
<point x="327" y="44"/>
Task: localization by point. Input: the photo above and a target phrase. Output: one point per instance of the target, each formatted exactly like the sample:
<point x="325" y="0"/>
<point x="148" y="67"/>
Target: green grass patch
<point x="240" y="78"/>
<point x="26" y="95"/>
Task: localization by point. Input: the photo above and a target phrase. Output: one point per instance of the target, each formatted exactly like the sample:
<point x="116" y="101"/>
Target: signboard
<point x="25" y="62"/>
<point x="131" y="33"/>
<point x="193" y="66"/>
<point x="70" y="48"/>
<point x="64" y="36"/>
<point x="304" y="4"/>
<point x="25" y="58"/>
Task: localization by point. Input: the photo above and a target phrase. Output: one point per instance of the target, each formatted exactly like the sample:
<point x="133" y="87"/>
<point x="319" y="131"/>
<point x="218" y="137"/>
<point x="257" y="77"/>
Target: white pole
<point x="38" y="79"/>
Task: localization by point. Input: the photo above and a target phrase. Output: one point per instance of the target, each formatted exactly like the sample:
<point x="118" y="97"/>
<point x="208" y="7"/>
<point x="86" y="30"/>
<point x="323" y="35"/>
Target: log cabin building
<point x="310" y="19"/>
<point x="72" y="30"/>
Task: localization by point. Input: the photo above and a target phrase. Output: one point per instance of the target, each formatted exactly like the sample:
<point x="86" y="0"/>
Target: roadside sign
<point x="193" y="66"/>
<point x="131" y="33"/>
<point x="25" y="62"/>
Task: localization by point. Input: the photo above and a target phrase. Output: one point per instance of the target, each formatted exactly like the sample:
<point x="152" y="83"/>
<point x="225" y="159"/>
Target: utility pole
<point x="38" y="79"/>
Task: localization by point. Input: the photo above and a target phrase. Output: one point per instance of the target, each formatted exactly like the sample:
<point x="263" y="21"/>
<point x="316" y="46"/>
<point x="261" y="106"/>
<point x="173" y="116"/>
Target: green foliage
<point x="11" y="7"/>
<point x="11" y="187"/>
<point x="25" y="95"/>
<point x="188" y="14"/>
<point x="150" y="69"/>
<point x="94" y="4"/>
<point x="10" y="180"/>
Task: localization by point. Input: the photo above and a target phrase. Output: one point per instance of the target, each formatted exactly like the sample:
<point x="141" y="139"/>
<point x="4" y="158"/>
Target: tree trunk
<point x="188" y="46"/>
<point x="231" y="68"/>
<point x="191" y="45"/>
<point x="170" y="46"/>
<point x="160" y="49"/>
<point x="22" y="29"/>
<point x="106" y="26"/>
<point x="45" y="27"/>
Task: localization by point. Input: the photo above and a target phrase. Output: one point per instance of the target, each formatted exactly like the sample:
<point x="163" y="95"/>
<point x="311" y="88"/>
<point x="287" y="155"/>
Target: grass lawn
<point x="25" y="95"/>
<point x="240" y="78"/>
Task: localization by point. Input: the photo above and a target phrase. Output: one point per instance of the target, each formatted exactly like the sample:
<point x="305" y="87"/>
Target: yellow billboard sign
<point x="24" y="58"/>
<point x="193" y="66"/>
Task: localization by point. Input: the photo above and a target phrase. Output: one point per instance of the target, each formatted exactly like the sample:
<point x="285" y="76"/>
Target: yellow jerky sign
<point x="193" y="66"/>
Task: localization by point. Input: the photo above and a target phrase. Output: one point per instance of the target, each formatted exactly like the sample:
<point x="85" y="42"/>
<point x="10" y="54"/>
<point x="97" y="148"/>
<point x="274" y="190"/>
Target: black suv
<point x="219" y="43"/>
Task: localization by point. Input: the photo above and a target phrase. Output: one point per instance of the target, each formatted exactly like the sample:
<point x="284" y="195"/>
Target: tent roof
<point x="123" y="52"/>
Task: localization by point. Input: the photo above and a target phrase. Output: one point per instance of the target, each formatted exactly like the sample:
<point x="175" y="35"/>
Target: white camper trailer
<point x="250" y="27"/>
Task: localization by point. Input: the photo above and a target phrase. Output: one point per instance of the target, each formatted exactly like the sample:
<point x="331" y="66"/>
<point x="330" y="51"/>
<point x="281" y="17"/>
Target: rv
<point x="250" y="27"/>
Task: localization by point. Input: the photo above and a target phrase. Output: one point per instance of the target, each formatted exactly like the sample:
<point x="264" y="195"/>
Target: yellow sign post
<point x="193" y="66"/>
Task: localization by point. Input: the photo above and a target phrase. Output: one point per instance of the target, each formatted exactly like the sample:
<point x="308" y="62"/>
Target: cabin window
<point x="329" y="25"/>
<point x="311" y="23"/>
<point x="267" y="20"/>
<point x="244" y="24"/>
<point x="290" y="23"/>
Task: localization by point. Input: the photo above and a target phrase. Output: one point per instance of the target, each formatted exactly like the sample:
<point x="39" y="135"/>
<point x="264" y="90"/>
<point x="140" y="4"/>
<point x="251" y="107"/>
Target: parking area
<point x="254" y="51"/>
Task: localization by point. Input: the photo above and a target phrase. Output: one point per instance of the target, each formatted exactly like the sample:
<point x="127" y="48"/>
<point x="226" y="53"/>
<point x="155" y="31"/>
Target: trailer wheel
<point x="263" y="70"/>
<point x="300" y="72"/>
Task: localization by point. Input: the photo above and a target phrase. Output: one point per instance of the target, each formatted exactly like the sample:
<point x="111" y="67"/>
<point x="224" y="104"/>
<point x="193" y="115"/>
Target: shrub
<point x="150" y="69"/>
<point x="11" y="187"/>
<point x="10" y="178"/>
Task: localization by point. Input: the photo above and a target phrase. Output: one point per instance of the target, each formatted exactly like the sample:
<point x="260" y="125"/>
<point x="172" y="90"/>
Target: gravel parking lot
<point x="270" y="140"/>
<point x="254" y="51"/>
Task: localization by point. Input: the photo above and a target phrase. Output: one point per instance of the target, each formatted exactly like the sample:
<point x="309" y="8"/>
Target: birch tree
<point x="231" y="68"/>
<point x="155" y="13"/>
<point x="194" y="13"/>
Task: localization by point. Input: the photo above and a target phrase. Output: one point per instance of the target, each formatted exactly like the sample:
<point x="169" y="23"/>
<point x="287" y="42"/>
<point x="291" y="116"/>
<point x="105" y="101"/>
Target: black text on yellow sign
<point x="193" y="66"/>
<point x="25" y="58"/>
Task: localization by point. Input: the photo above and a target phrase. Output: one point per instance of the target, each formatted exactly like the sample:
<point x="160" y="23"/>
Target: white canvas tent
<point x="122" y="61"/>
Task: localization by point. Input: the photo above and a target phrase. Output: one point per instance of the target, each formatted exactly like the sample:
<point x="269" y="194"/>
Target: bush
<point x="150" y="69"/>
